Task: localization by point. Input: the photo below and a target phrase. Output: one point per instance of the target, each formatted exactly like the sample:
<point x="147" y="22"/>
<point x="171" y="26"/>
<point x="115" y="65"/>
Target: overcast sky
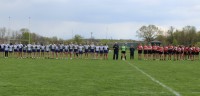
<point x="117" y="19"/>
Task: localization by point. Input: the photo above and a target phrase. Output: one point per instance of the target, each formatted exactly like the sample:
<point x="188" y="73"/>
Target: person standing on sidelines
<point x="76" y="51"/>
<point x="47" y="50"/>
<point x="2" y="49"/>
<point x="24" y="51"/>
<point x="11" y="50"/>
<point x="34" y="50"/>
<point x="86" y="47"/>
<point x="53" y="46"/>
<point x="96" y="51"/>
<point x="106" y="50"/>
<point x="116" y="51"/>
<point x="92" y="46"/>
<point x="140" y="49"/>
<point x="101" y="51"/>
<point x="170" y="52"/>
<point x="66" y="47"/>
<point x="71" y="48"/>
<point x="132" y="50"/>
<point x="149" y="51"/>
<point x="80" y="48"/>
<point x="42" y="51"/>
<point x="29" y="50"/>
<point x="161" y="52"/>
<point x="145" y="52"/>
<point x="6" y="49"/>
<point x="165" y="52"/>
<point x="123" y="52"/>
<point x="20" y="46"/>
<point x="38" y="46"/>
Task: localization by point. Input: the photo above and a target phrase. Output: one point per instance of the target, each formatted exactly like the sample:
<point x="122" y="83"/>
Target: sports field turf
<point x="43" y="77"/>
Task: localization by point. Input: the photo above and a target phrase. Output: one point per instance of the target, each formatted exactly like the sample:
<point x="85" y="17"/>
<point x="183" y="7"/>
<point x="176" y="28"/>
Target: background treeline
<point x="188" y="35"/>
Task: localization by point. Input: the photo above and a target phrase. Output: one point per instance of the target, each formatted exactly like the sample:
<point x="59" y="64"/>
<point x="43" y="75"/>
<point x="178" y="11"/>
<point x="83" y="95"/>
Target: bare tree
<point x="149" y="33"/>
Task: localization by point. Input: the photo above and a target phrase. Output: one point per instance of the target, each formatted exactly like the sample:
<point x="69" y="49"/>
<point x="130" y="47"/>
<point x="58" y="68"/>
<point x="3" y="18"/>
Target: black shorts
<point x="165" y="53"/>
<point x="24" y="50"/>
<point x="149" y="51"/>
<point x="160" y="52"/>
<point x="145" y="51"/>
<point x="97" y="51"/>
<point x="42" y="50"/>
<point x="38" y="50"/>
<point x="153" y="51"/>
<point x="123" y="52"/>
<point x="169" y="51"/>
<point x="139" y="51"/>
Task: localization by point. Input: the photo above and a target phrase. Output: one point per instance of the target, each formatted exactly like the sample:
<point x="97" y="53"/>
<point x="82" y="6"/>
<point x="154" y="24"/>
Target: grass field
<point x="42" y="77"/>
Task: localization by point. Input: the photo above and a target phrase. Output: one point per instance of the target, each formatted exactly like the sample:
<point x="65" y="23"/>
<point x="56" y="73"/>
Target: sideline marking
<point x="154" y="80"/>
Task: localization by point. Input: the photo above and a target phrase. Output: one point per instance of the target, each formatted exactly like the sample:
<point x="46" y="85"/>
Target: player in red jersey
<point x="161" y="52"/>
<point x="149" y="52"/>
<point x="185" y="54"/>
<point x="145" y="52"/>
<point x="179" y="53"/>
<point x="170" y="52"/>
<point x="154" y="50"/>
<point x="175" y="52"/>
<point x="165" y="52"/>
<point x="140" y="49"/>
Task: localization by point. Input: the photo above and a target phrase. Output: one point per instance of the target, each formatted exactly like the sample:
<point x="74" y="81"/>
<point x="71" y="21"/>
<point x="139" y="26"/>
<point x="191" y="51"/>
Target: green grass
<point x="42" y="77"/>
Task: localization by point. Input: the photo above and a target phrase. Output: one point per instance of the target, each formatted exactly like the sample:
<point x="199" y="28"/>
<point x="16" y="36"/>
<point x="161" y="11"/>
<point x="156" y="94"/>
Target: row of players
<point x="39" y="50"/>
<point x="161" y="52"/>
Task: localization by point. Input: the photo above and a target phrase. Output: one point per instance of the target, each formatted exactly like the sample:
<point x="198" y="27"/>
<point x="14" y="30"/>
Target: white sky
<point x="117" y="19"/>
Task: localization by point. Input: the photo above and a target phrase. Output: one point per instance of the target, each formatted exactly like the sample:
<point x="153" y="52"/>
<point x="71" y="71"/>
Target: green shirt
<point x="123" y="48"/>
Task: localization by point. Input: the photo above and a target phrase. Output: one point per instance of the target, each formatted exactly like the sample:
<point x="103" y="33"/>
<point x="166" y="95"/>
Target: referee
<point x="116" y="51"/>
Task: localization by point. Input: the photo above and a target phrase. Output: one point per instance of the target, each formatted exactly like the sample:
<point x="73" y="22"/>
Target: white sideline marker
<point x="154" y="80"/>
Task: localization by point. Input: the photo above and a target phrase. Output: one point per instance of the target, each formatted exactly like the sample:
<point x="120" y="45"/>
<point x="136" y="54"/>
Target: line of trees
<point x="188" y="35"/>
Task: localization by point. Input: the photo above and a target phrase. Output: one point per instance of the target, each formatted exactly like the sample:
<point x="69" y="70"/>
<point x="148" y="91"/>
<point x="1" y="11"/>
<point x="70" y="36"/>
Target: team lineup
<point x="62" y="51"/>
<point x="98" y="51"/>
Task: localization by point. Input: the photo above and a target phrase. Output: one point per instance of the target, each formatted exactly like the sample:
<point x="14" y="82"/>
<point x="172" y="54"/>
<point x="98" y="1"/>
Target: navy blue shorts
<point x="20" y="50"/>
<point x="86" y="50"/>
<point x="92" y="50"/>
<point x="15" y="50"/>
<point x="66" y="50"/>
<point x="34" y="50"/>
<point x="1" y="50"/>
<point x="97" y="51"/>
<point x="24" y="50"/>
<point x="42" y="50"/>
<point x="80" y="52"/>
<point x="10" y="51"/>
<point x="29" y="51"/>
<point x="101" y="52"/>
<point x="70" y="50"/>
<point x="105" y="51"/>
<point x="38" y="50"/>
<point x="76" y="50"/>
<point x="52" y="50"/>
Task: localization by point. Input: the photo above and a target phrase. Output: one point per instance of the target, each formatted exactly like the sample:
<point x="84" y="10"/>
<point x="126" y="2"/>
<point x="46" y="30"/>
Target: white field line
<point x="156" y="81"/>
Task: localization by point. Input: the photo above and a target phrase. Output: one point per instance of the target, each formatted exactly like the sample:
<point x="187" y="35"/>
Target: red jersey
<point x="186" y="49"/>
<point x="140" y="47"/>
<point x="149" y="47"/>
<point x="170" y="47"/>
<point x="155" y="47"/>
<point x="179" y="49"/>
<point x="145" y="47"/>
<point x="166" y="48"/>
<point x="161" y="49"/>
